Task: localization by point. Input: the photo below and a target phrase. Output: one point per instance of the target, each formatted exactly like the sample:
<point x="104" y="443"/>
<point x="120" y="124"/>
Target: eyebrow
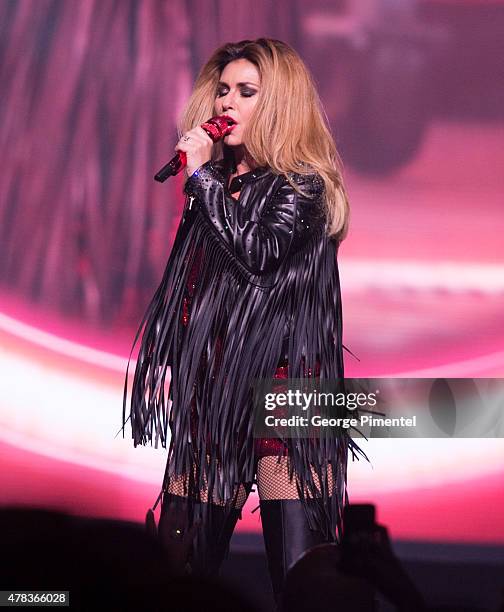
<point x="239" y="84"/>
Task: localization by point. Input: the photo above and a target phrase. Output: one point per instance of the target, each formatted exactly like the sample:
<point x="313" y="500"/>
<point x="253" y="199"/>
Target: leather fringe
<point x="233" y="336"/>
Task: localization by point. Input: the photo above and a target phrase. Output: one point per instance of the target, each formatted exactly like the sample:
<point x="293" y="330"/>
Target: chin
<point x="232" y="141"/>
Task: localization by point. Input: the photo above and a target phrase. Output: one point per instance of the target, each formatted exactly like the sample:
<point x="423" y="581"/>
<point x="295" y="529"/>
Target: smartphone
<point x="358" y="517"/>
<point x="358" y="527"/>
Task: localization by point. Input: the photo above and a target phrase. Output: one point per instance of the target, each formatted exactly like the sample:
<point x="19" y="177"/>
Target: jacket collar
<point x="247" y="177"/>
<point x="242" y="179"/>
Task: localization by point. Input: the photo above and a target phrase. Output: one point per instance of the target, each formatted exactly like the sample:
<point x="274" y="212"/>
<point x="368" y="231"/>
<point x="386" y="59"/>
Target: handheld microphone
<point x="216" y="128"/>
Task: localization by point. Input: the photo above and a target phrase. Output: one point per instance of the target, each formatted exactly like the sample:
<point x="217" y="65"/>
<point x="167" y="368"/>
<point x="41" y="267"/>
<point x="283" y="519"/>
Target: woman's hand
<point x="197" y="145"/>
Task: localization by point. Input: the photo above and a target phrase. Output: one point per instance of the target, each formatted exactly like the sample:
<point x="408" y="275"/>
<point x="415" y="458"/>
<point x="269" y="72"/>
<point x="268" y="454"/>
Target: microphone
<point x="216" y="128"/>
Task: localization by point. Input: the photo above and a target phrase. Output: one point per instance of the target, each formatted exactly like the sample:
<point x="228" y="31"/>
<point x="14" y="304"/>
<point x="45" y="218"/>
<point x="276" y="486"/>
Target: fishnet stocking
<point x="272" y="483"/>
<point x="273" y="479"/>
<point x="179" y="486"/>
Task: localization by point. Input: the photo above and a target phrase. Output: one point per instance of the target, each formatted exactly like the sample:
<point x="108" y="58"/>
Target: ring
<point x="186" y="138"/>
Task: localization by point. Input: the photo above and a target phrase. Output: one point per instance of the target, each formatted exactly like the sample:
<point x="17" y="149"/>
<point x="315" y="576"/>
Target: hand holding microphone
<point x="195" y="146"/>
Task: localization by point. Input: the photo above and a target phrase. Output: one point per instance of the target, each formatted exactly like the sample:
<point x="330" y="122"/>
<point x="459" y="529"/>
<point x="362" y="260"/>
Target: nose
<point x="228" y="101"/>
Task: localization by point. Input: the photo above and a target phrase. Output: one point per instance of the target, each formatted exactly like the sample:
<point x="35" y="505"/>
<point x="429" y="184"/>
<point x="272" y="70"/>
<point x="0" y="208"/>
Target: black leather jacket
<point x="269" y="220"/>
<point x="267" y="287"/>
<point x="266" y="223"/>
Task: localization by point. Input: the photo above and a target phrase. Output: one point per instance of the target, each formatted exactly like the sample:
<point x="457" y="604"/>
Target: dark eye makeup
<point x="246" y="92"/>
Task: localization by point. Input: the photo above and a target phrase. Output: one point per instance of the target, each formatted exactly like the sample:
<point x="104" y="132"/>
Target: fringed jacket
<point x="249" y="281"/>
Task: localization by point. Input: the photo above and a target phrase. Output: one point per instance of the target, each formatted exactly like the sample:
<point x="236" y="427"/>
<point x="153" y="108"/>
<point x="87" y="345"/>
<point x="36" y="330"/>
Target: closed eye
<point x="245" y="92"/>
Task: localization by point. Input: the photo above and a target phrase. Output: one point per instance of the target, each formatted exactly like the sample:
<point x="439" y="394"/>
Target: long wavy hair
<point x="288" y="130"/>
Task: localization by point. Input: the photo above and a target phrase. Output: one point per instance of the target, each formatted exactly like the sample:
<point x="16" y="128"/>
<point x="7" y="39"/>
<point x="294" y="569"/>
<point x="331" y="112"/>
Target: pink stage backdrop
<point x="91" y="91"/>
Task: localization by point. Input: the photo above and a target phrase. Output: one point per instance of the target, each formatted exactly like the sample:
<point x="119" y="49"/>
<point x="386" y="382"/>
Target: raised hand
<point x="197" y="145"/>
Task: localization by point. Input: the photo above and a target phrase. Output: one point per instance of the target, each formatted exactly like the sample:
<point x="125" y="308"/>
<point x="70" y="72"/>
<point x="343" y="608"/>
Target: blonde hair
<point x="288" y="130"/>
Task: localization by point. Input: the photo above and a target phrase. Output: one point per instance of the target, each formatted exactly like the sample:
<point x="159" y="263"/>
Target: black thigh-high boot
<point x="286" y="537"/>
<point x="211" y="536"/>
